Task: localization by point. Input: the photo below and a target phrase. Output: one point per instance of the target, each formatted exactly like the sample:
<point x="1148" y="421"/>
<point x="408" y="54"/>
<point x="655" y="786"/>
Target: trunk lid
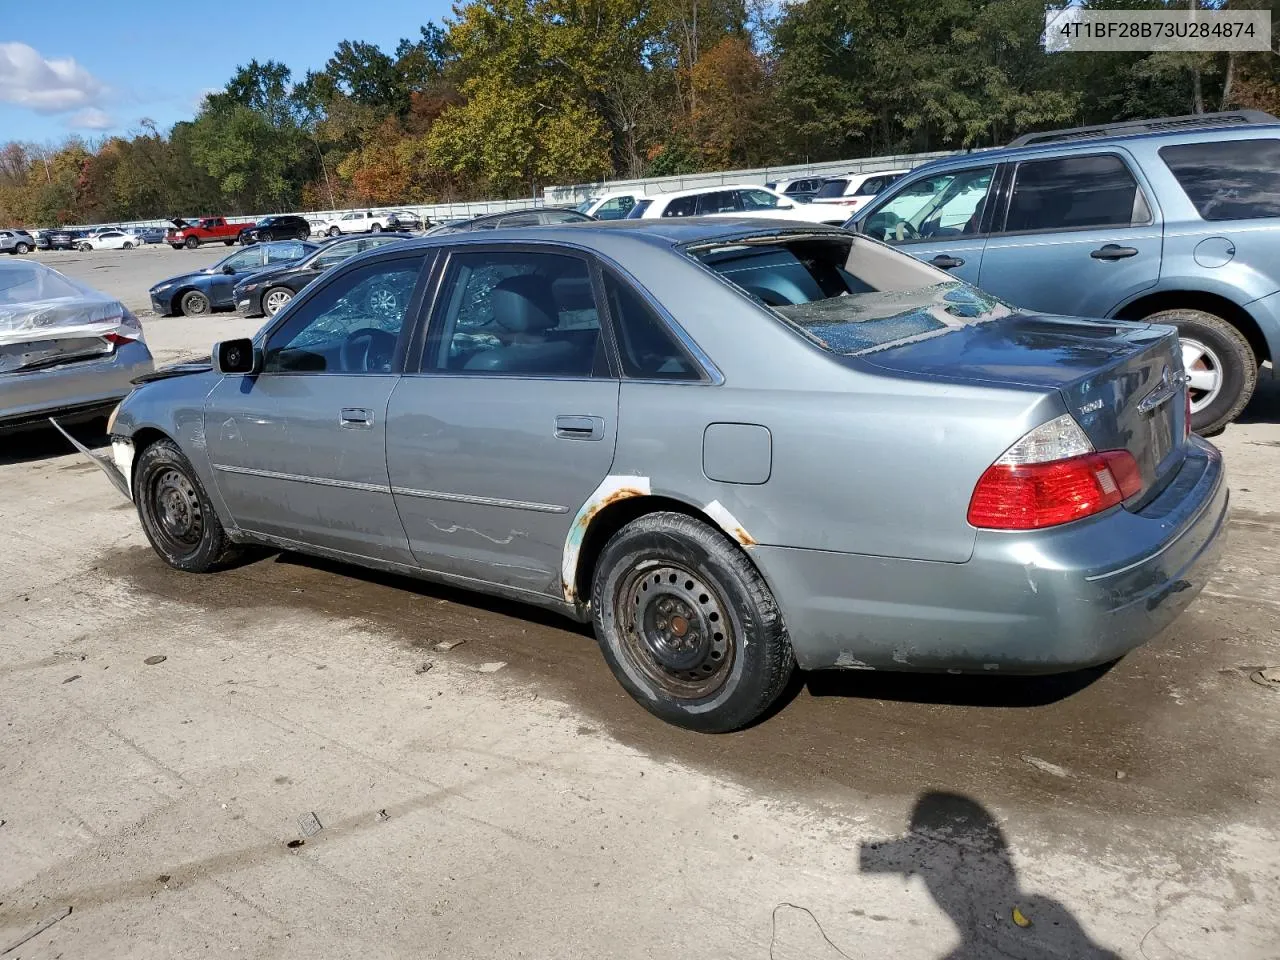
<point x="1121" y="381"/>
<point x="41" y="354"/>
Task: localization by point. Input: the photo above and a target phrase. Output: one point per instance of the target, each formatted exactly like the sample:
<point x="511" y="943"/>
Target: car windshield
<point x="585" y="205"/>
<point x="848" y="294"/>
<point x="832" y="188"/>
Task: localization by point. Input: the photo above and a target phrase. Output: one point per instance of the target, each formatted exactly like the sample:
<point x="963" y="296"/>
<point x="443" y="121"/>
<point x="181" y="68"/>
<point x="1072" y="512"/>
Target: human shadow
<point x="959" y="850"/>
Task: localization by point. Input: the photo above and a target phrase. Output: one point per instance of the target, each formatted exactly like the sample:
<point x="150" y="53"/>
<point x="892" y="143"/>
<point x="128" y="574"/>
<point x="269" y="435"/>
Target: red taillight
<point x="1034" y="495"/>
<point x="116" y="339"/>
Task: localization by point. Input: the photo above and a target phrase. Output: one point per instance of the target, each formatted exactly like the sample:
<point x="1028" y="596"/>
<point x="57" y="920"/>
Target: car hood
<point x="197" y="276"/>
<point x="184" y="368"/>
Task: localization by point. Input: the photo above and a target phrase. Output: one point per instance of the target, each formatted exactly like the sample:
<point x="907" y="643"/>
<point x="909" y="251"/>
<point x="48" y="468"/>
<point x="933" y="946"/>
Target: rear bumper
<point x="1025" y="603"/>
<point x="28" y="398"/>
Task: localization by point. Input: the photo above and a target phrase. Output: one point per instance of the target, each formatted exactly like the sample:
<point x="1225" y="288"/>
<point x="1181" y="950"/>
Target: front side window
<point x="1072" y="192"/>
<point x="336" y="253"/>
<point x="518" y="220"/>
<point x="758" y="200"/>
<point x="681" y="207"/>
<point x="847" y="294"/>
<point x="645" y="345"/>
<point x="511" y="312"/>
<point x="1228" y="180"/>
<point x="942" y="206"/>
<point x="250" y="258"/>
<point x="614" y="209"/>
<point x="351" y="325"/>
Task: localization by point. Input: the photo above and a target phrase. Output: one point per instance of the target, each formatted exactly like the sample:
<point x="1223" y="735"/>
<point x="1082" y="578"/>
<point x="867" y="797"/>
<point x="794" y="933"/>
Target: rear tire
<point x="176" y="514"/>
<point x="1222" y="366"/>
<point x="228" y="243"/>
<point x="191" y="243"/>
<point x="688" y="625"/>
<point x="195" y="304"/>
<point x="128" y="246"/>
<point x="376" y="228"/>
<point x="85" y="247"/>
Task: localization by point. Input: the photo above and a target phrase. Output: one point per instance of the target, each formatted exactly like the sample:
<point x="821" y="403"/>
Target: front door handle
<point x="355" y="418"/>
<point x="1112" y="251"/>
<point x="579" y="428"/>
<point x="944" y="262"/>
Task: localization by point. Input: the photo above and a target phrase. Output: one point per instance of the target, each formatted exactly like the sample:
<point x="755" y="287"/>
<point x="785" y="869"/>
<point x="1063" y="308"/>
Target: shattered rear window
<point x="847" y="293"/>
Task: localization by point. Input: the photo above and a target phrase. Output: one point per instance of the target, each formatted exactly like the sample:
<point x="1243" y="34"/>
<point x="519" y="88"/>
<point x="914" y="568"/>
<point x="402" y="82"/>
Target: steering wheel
<point x="903" y="230"/>
<point x="367" y="350"/>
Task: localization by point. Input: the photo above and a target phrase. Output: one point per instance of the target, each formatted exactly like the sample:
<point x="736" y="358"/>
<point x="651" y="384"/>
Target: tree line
<point x="511" y="95"/>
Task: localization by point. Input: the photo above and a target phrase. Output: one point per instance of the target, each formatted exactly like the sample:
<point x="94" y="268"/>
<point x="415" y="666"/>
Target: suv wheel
<point x="688" y="625"/>
<point x="1220" y="363"/>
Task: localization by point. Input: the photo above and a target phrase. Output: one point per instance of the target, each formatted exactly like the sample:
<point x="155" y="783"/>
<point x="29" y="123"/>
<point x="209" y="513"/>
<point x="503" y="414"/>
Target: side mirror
<point x="236" y="356"/>
<point x="229" y="270"/>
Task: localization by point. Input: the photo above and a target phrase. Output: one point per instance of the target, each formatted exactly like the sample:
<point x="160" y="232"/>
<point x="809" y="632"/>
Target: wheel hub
<point x="678" y="630"/>
<point x="1204" y="372"/>
<point x="178" y="508"/>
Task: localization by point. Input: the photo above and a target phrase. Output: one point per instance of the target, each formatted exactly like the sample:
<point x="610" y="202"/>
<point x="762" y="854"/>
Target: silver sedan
<point x="734" y="447"/>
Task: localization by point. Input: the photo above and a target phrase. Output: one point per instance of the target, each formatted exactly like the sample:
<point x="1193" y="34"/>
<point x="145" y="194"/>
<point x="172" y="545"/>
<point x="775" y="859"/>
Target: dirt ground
<point x="535" y="811"/>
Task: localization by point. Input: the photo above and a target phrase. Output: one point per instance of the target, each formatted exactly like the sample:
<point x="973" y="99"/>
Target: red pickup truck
<point x="192" y="233"/>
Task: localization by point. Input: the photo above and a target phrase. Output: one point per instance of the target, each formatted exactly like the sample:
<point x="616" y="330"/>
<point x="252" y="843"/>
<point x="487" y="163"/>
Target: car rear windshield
<point x="848" y="294"/>
<point x="1229" y="179"/>
<point x="832" y="188"/>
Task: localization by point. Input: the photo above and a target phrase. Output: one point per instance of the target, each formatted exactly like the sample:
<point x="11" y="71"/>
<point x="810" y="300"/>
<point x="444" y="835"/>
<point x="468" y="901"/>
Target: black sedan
<point x="64" y="239"/>
<point x="198" y="294"/>
<point x="267" y="291"/>
<point x="276" y="228"/>
<point x="514" y="218"/>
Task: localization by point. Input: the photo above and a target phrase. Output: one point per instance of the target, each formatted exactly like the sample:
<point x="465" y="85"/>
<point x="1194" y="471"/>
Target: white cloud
<point x="48" y="86"/>
<point x="91" y="118"/>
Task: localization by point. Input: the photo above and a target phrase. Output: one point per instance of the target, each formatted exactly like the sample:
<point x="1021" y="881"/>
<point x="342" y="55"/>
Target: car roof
<point x="1055" y="148"/>
<point x="598" y="234"/>
<point x="697" y="191"/>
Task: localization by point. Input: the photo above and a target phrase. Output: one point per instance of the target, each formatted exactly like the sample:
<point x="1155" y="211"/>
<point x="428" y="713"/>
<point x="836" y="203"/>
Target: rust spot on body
<point x="744" y="538"/>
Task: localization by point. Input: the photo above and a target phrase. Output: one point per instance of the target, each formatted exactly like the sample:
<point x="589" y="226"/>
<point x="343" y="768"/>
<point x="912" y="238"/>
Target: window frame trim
<point x="411" y="318"/>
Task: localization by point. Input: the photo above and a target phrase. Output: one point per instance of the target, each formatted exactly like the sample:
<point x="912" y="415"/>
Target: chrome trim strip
<point x="298" y="478"/>
<point x="480" y="501"/>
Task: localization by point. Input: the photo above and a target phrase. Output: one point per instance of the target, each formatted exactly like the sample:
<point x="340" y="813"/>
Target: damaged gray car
<point x="65" y="348"/>
<point x="734" y="448"/>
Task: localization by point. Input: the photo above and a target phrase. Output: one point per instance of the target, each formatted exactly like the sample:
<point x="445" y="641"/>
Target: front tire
<point x="335" y="232"/>
<point x="687" y="624"/>
<point x="273" y="300"/>
<point x="195" y="304"/>
<point x="1220" y="362"/>
<point x="191" y="243"/>
<point x="228" y="243"/>
<point x="85" y="247"/>
<point x="128" y="246"/>
<point x="176" y="514"/>
<point x="376" y="228"/>
<point x="21" y="249"/>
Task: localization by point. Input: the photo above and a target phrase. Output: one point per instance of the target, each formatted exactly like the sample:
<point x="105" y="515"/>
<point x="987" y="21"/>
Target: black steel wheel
<point x="176" y="514"/>
<point x="195" y="304"/>
<point x="688" y="625"/>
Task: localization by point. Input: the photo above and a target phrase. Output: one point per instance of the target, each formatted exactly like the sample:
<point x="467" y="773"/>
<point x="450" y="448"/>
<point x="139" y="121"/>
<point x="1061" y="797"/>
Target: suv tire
<point x="687" y="624"/>
<point x="1221" y="363"/>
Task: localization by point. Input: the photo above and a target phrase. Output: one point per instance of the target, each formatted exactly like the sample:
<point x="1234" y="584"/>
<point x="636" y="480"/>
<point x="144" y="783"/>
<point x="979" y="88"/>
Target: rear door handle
<point x="944" y="262"/>
<point x="579" y="428"/>
<point x="355" y="418"/>
<point x="1112" y="251"/>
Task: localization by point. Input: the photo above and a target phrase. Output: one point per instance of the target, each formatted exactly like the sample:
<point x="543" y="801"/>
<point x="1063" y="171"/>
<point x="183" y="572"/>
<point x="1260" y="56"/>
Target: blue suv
<point x="1174" y="221"/>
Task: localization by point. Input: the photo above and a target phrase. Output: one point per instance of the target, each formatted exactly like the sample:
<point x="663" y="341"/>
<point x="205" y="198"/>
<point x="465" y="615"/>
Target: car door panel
<point x="299" y="450"/>
<point x="492" y="448"/>
<point x="1044" y="261"/>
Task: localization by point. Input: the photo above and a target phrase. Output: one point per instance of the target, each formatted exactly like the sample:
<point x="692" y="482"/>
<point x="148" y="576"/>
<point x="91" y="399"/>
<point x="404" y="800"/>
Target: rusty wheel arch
<point x="612" y="517"/>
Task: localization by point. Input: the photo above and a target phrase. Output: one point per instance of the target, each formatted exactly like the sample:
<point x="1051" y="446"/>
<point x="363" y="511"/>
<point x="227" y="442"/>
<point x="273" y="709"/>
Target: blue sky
<point x="97" y="68"/>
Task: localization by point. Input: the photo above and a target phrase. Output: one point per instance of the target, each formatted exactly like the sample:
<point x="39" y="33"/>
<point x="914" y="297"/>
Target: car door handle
<point x="580" y="428"/>
<point x="944" y="262"/>
<point x="1112" y="251"/>
<point x="355" y="418"/>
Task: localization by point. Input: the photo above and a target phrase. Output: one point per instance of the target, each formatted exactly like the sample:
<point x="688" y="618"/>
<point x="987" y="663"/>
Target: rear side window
<point x="1228" y="180"/>
<point x="638" y="210"/>
<point x="1072" y="192"/>
<point x="645" y="345"/>
<point x="722" y="201"/>
<point x="681" y="207"/>
<point x="832" y="188"/>
<point x="870" y="187"/>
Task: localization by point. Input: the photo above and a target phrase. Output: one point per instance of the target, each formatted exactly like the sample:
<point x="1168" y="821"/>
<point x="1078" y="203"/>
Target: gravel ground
<point x="535" y="811"/>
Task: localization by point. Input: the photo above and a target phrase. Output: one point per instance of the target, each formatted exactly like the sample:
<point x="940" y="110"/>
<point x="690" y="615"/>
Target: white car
<point x="109" y="240"/>
<point x="735" y="200"/>
<point x="357" y="221"/>
<point x="616" y="205"/>
<point x="854" y="190"/>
